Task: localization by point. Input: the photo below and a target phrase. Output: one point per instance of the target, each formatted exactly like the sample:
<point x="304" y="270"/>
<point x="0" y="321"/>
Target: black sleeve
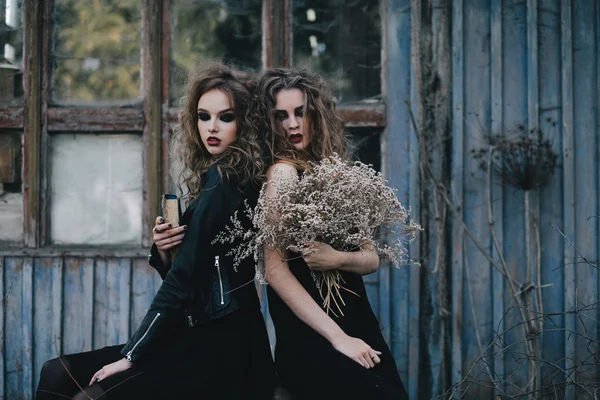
<point x="155" y="262"/>
<point x="179" y="285"/>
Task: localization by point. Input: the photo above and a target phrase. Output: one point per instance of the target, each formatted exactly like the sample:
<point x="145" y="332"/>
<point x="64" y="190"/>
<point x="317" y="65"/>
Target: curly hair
<point x="243" y="156"/>
<point x="325" y="124"/>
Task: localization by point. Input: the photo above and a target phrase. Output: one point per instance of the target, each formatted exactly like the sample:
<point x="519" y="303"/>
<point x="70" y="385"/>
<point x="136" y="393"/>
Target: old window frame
<point x="152" y="117"/>
<point x="278" y="52"/>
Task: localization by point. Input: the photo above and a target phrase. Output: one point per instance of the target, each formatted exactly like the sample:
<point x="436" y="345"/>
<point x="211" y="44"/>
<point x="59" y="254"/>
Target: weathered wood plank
<point x="414" y="281"/>
<point x="143" y="288"/>
<point x="552" y="244"/>
<point x="457" y="253"/>
<point x="532" y="64"/>
<point x="97" y="119"/>
<point x="585" y="114"/>
<point x="568" y="176"/>
<point x="42" y="313"/>
<point x="3" y="305"/>
<point x="44" y="348"/>
<point x="78" y="305"/>
<point x="515" y="115"/>
<point x="597" y="160"/>
<point x="123" y="292"/>
<point x="111" y="302"/>
<point x="396" y="167"/>
<point x="13" y="328"/>
<point x="101" y="307"/>
<point x="27" y="328"/>
<point x="57" y="304"/>
<point x="478" y="304"/>
<point x="533" y="124"/>
<point x="496" y="123"/>
<point x="436" y="379"/>
<point x="11" y="117"/>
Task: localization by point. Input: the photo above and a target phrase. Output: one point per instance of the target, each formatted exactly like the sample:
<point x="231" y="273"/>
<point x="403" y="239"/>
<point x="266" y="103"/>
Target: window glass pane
<point x="11" y="51"/>
<point x="213" y="29"/>
<point x="367" y="145"/>
<point x="96" y="189"/>
<point x="340" y="40"/>
<point x="11" y="194"/>
<point x="96" y="54"/>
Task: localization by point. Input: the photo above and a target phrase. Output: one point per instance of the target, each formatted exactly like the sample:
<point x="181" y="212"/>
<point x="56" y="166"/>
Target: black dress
<point x="199" y="348"/>
<point x="308" y="365"/>
<point x="192" y="364"/>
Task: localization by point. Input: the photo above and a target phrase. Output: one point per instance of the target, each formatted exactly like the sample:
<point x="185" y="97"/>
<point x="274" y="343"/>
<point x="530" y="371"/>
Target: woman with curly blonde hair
<point x="192" y="159"/>
<point x="203" y="335"/>
<point x="317" y="355"/>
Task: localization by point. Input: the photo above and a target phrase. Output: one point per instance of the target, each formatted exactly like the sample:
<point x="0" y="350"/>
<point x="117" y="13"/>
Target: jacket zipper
<point x="220" y="280"/>
<point x="128" y="356"/>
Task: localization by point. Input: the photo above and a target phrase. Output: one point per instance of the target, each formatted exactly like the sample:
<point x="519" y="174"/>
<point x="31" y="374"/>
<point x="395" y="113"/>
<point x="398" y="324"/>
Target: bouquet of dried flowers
<point x="345" y="205"/>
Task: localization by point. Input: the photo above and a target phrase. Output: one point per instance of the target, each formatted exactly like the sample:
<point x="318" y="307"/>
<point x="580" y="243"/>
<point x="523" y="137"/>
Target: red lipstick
<point x="296" y="138"/>
<point x="213" y="141"/>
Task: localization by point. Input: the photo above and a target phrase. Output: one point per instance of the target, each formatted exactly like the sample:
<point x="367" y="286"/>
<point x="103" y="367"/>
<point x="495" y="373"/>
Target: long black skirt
<point x="228" y="358"/>
<point x="310" y="368"/>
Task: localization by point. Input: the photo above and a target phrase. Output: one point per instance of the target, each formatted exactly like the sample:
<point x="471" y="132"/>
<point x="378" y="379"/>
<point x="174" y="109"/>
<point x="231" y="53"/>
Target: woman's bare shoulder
<point x="281" y="169"/>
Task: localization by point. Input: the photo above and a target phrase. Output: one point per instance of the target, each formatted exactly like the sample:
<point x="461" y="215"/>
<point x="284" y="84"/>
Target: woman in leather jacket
<point x="203" y="335"/>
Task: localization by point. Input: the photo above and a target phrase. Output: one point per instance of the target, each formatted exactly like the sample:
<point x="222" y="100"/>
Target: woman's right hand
<point x="357" y="350"/>
<point x="166" y="236"/>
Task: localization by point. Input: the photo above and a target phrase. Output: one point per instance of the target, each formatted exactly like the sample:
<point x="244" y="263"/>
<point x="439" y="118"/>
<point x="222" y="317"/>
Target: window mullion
<point x="372" y="115"/>
<point x="11" y="117"/>
<point x="277" y="33"/>
<point x="152" y="96"/>
<point x="32" y="87"/>
<point x="46" y="74"/>
<point x="166" y="87"/>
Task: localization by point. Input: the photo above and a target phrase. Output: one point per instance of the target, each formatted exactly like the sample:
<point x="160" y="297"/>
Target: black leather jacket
<point x="202" y="284"/>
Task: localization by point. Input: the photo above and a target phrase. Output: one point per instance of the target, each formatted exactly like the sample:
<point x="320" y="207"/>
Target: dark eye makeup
<point x="229" y="117"/>
<point x="281" y="115"/>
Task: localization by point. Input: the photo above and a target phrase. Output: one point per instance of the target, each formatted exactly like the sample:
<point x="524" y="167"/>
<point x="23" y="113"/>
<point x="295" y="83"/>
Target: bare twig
<point x="533" y="322"/>
<point x="574" y="247"/>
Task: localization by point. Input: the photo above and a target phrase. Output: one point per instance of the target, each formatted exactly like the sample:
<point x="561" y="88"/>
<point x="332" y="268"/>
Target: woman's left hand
<point x="118" y="366"/>
<point x="322" y="257"/>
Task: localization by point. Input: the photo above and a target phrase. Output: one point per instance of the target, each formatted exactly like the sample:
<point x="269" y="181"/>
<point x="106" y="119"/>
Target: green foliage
<point x="229" y="30"/>
<point x="96" y="50"/>
<point x="97" y="44"/>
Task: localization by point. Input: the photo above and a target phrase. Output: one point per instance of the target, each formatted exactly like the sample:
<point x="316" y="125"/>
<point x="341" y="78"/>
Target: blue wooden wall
<point x="532" y="62"/>
<point x="52" y="306"/>
<point x="529" y="62"/>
